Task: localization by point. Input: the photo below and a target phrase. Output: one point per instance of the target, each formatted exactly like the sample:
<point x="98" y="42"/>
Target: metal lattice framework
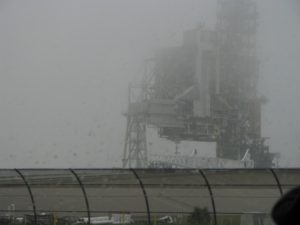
<point x="204" y="90"/>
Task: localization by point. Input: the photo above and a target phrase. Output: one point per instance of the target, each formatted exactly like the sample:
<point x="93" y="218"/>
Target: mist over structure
<point x="66" y="65"/>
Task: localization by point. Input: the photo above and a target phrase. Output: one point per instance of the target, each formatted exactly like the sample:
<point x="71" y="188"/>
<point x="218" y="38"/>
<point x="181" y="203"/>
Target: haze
<point x="65" y="67"/>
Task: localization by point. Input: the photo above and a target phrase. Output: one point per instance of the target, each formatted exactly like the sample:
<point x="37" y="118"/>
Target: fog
<point x="65" y="68"/>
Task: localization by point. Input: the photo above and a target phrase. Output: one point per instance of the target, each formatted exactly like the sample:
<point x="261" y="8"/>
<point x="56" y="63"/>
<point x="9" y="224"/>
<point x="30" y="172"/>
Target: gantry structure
<point x="204" y="90"/>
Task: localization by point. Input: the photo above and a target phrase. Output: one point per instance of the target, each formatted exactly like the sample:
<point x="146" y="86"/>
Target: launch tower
<point x="204" y="90"/>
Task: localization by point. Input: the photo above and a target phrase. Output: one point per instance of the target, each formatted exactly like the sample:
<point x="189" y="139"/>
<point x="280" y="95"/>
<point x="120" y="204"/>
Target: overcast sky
<point x="65" y="67"/>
